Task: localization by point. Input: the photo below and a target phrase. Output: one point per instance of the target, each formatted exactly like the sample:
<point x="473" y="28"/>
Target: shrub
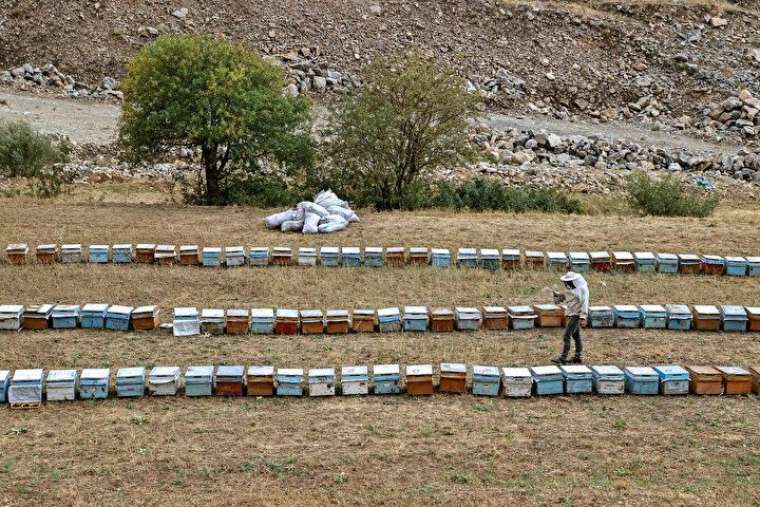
<point x="221" y="98"/>
<point x="23" y="152"/>
<point x="408" y="119"/>
<point x="482" y="194"/>
<point x="668" y="196"/>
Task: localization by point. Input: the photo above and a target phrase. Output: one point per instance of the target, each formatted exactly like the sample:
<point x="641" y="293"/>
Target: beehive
<point x="199" y="381"/>
<point x="689" y="264"/>
<point x="706" y="318"/>
<point x="419" y="256"/>
<point x="736" y="266"/>
<point x="94" y="316"/>
<point x="578" y="379"/>
<point x="547" y="380"/>
<point x="289" y="382"/>
<point x="608" y="379"/>
<point x="627" y="316"/>
<point x="11" y="317"/>
<point x="601" y="317"/>
<point x="705" y="380"/>
<point x="441" y="320"/>
<point x="534" y="259"/>
<point x="416" y="318"/>
<point x="453" y="378"/>
<point x="25" y="390"/>
<point x="373" y="257"/>
<point x="522" y="317"/>
<point x="37" y="316"/>
<point x="329" y="256"/>
<point x="467" y="258"/>
<point x="211" y="257"/>
<point x="47" y="254"/>
<point x="238" y="321"/>
<point x="307" y="257"/>
<point x="516" y="382"/>
<point x="118" y="317"/>
<point x="489" y="259"/>
<point x="440" y="258"/>
<point x="467" y="318"/>
<point x="322" y="382"/>
<point x="262" y="321"/>
<point x="5" y="384"/>
<point x="230" y="380"/>
<point x="646" y="262"/>
<point x="145" y="253"/>
<point x="601" y="261"/>
<point x="363" y="320"/>
<point x="282" y="256"/>
<point x="212" y="321"/>
<point x="261" y="381"/>
<point x="549" y="315"/>
<point x="65" y="316"/>
<point x="389" y="320"/>
<point x="122" y="253"/>
<point x="580" y="262"/>
<point x="146" y="318"/>
<point x="667" y="263"/>
<point x="419" y="379"/>
<point x="234" y="256"/>
<point x="674" y="379"/>
<point x="734" y="318"/>
<point x="556" y="261"/>
<point x="641" y="380"/>
<point x="495" y="318"/>
<point x="287" y="322"/>
<point x="736" y="380"/>
<point x="259" y="256"/>
<point x="511" y="259"/>
<point x="753" y="266"/>
<point x="163" y="381"/>
<point x="130" y="382"/>
<point x="186" y="322"/>
<point x="486" y="380"/>
<point x="386" y="379"/>
<point x="754" y="370"/>
<point x="713" y="264"/>
<point x="312" y="322"/>
<point x="99" y="254"/>
<point x="17" y="253"/>
<point x="354" y="380"/>
<point x="679" y="317"/>
<point x="337" y="321"/>
<point x="61" y="385"/>
<point x="71" y="253"/>
<point x="94" y="383"/>
<point x="654" y="316"/>
<point x="188" y="255"/>
<point x="753" y="316"/>
<point x="394" y="256"/>
<point x="623" y="261"/>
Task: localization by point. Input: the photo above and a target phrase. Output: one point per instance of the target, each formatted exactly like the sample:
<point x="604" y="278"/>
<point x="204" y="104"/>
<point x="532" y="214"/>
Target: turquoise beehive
<point x="673" y="379"/>
<point x="547" y="380"/>
<point x="94" y="383"/>
<point x="130" y="382"/>
<point x="578" y="378"/>
<point x="641" y="380"/>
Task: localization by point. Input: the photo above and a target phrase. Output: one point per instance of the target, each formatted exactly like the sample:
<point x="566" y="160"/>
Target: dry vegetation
<point x="451" y="450"/>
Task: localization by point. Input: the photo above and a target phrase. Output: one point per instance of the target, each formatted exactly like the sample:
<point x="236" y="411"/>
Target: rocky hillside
<point x="595" y="57"/>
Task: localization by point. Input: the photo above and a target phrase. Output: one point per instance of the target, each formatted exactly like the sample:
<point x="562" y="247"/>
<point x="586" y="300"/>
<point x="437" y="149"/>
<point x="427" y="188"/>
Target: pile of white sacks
<point x="326" y="214"/>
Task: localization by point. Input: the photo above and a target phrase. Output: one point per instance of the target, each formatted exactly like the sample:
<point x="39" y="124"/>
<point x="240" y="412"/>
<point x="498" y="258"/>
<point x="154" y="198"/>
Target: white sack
<point x="292" y="225"/>
<point x="328" y="198"/>
<point x="333" y="226"/>
<point x="346" y="213"/>
<point x="307" y="206"/>
<point x="276" y="220"/>
<point x="311" y="223"/>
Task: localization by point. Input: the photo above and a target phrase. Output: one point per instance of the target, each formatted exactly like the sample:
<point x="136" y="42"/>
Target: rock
<point x="643" y="82"/>
<point x="180" y="13"/>
<point x="291" y="90"/>
<point x="109" y="83"/>
<point x="553" y="140"/>
<point x="153" y="32"/>
<point x="731" y="103"/>
<point x="754" y="55"/>
<point x="376" y="9"/>
<point x="717" y="22"/>
<point x="521" y="157"/>
<point x="28" y="69"/>
<point x="550" y="76"/>
<point x="17" y="72"/>
<point x="319" y="84"/>
<point x="675" y="167"/>
<point x="640" y="66"/>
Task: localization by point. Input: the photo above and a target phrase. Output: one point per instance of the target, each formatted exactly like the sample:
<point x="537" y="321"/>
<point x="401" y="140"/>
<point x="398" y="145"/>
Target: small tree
<point x="668" y="197"/>
<point x="24" y="152"/>
<point x="409" y="118"/>
<point x="219" y="98"/>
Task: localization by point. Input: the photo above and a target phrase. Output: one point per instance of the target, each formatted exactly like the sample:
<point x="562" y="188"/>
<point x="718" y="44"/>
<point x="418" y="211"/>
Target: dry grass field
<point x="443" y="450"/>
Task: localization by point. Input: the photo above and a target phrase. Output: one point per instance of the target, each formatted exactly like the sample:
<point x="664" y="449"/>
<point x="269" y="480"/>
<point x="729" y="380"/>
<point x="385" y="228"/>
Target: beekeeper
<point x="576" y="298"/>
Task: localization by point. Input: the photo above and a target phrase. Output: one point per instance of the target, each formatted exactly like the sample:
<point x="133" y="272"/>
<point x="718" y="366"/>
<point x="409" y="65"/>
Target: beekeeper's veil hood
<point x="578" y="281"/>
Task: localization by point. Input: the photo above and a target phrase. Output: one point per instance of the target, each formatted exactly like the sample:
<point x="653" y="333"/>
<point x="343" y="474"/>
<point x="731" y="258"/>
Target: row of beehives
<point x="485" y="258"/>
<point x="27" y="387"/>
<point x="188" y="321"/>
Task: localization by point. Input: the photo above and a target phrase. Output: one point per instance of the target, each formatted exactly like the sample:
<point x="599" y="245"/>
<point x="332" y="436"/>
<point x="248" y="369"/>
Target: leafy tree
<point x="218" y="98"/>
<point x="24" y="152"/>
<point x="668" y="197"/>
<point x="408" y="119"/>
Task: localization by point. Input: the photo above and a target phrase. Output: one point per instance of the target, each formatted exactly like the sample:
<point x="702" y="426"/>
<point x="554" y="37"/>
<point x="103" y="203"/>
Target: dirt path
<point x="94" y="122"/>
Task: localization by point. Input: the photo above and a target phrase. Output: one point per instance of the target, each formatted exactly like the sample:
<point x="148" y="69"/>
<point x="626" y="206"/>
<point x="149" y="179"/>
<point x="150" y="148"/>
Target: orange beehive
<point x="705" y="380"/>
<point x="363" y="321"/>
<point x="441" y="320"/>
<point x="453" y="378"/>
<point x="736" y="380"/>
<point x="755" y="370"/>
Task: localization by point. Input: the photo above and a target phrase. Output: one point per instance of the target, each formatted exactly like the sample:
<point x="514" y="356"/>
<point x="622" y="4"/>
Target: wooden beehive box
<point x="122" y="253"/>
<point x="516" y="382"/>
<point x="312" y="322"/>
<point x="706" y="318"/>
<point x="689" y="264"/>
<point x="11" y="317"/>
<point x="511" y="259"/>
<point x="418" y="256"/>
<point x="486" y="380"/>
<point x="230" y="380"/>
<point x="145" y="318"/>
<point x="188" y="255"/>
<point x="534" y="259"/>
<point x="37" y="317"/>
<point x="261" y="381"/>
<point x="394" y="256"/>
<point x="363" y="320"/>
<point x="17" y="253"/>
<point x="145" y="253"/>
<point x="441" y="320"/>
<point x="47" y="254"/>
<point x="495" y="318"/>
<point x="282" y="256"/>
<point x="238" y="321"/>
<point x="601" y="261"/>
<point x="354" y="380"/>
<point x="713" y="264"/>
<point x="286" y="322"/>
<point x="25" y="389"/>
<point x="166" y="255"/>
<point x="71" y="253"/>
<point x="453" y="378"/>
<point x="623" y="261"/>
<point x="753" y="314"/>
<point x="755" y="370"/>
<point x="705" y="380"/>
<point x="130" y="382"/>
<point x="522" y="317"/>
<point x="212" y="321"/>
<point x="736" y="380"/>
<point x="374" y="257"/>
<point x="337" y="321"/>
<point x="549" y="315"/>
<point x="322" y="382"/>
<point x="419" y="379"/>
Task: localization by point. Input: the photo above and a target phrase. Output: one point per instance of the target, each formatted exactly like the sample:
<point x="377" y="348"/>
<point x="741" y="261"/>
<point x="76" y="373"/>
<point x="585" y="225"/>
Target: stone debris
<point x="49" y="76"/>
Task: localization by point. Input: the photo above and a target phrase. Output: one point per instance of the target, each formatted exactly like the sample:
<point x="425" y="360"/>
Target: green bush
<point x="483" y="194"/>
<point x="668" y="197"/>
<point x="25" y="153"/>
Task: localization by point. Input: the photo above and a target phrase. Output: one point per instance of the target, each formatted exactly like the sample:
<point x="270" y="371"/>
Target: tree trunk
<point x="213" y="187"/>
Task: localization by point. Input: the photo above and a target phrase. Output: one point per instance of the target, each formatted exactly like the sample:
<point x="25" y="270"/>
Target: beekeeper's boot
<point x="560" y="360"/>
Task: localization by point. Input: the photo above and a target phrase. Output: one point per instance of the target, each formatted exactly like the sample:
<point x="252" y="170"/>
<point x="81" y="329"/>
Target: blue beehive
<point x="262" y="321"/>
<point x="467" y="258"/>
<point x="489" y="259"/>
<point x="329" y="256"/>
<point x="351" y="256"/>
<point x="578" y="378"/>
<point x="122" y="254"/>
<point x="440" y="257"/>
<point x="667" y="263"/>
<point x="60" y="385"/>
<point x="646" y="262"/>
<point x="289" y="382"/>
<point x="389" y="320"/>
<point x="386" y="379"/>
<point x="627" y="316"/>
<point x="354" y="380"/>
<point x="547" y="380"/>
<point x="25" y="388"/>
<point x="374" y="257"/>
<point x="211" y="257"/>
<point x="673" y="379"/>
<point x="11" y="317"/>
<point x="679" y="317"/>
<point x="734" y="318"/>
<point x="98" y="254"/>
<point x="736" y="266"/>
<point x="753" y="266"/>
<point x="94" y="316"/>
<point x="65" y="316"/>
<point x="186" y="322"/>
<point x="416" y="318"/>
<point x="486" y="380"/>
<point x="641" y="380"/>
<point x="258" y="256"/>
<point x="556" y="261"/>
<point x="654" y="316"/>
<point x="601" y="317"/>
<point x="5" y="383"/>
<point x="580" y="262"/>
<point x="94" y="383"/>
<point x="130" y="382"/>
<point x="608" y="379"/>
<point x="117" y="317"/>
<point x="199" y="381"/>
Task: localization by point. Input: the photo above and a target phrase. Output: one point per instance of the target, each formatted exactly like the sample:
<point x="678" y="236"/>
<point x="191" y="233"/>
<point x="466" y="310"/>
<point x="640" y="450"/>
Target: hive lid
<point x="607" y="369"/>
<point x="93" y="307"/>
<point x="704" y="370"/>
<point x="164" y="371"/>
<point x="706" y="309"/>
<point x="351" y="250"/>
<point x="62" y="375"/>
<point x="556" y="255"/>
<point x="440" y="252"/>
<point x="28" y="375"/>
<point x="546" y="370"/>
<point x="494" y="309"/>
<point x="40" y="309"/>
<point x="199" y="371"/>
<point x="258" y="249"/>
<point x="678" y="309"/>
<point x="307" y="251"/>
<point x="688" y="257"/>
<point x="99" y="247"/>
<point x="736" y="259"/>
<point x="520" y="309"/>
<point x="120" y="310"/>
<point x="601" y="255"/>
<point x="516" y="372"/>
<point x="671" y="369"/>
<point x="667" y="257"/>
<point x="150" y="309"/>
<point x="733" y="370"/>
<point x="510" y="252"/>
<point x="71" y="247"/>
<point x="12" y="309"/>
<point x="373" y="250"/>
<point x="329" y="250"/>
<point x="212" y="250"/>
<point x="350" y="371"/>
<point x="311" y="314"/>
<point x="644" y="256"/>
<point x="623" y="256"/>
<point x="281" y="250"/>
<point x="626" y="308"/>
<point x="322" y="372"/>
<point x="185" y="311"/>
<point x="422" y="310"/>
<point x="469" y="252"/>
<point x="753" y="260"/>
<point x="486" y="371"/>
<point x="95" y="373"/>
<point x="489" y="253"/>
<point x="234" y="250"/>
<point x="713" y="259"/>
<point x="364" y="312"/>
<point x="753" y="310"/>
<point x="212" y="313"/>
<point x="230" y="371"/>
<point x="386" y="369"/>
<point x="466" y="309"/>
<point x="188" y="248"/>
<point x="653" y="308"/>
<point x="418" y="250"/>
<point x="336" y="314"/>
<point x="286" y="313"/>
<point x="533" y="253"/>
<point x="47" y="246"/>
<point x="123" y="246"/>
<point x="602" y="308"/>
<point x="66" y="309"/>
<point x="453" y="368"/>
<point x="137" y="371"/>
<point x="442" y="312"/>
<point x="579" y="255"/>
<point x="4" y="375"/>
<point x="575" y="369"/>
<point x="388" y="312"/>
<point x="547" y="307"/>
<point x="146" y="246"/>
<point x="641" y="371"/>
<point x="733" y="311"/>
<point x="264" y="313"/>
<point x="237" y="312"/>
<point x="260" y="371"/>
<point x="290" y="372"/>
<point x="419" y="369"/>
